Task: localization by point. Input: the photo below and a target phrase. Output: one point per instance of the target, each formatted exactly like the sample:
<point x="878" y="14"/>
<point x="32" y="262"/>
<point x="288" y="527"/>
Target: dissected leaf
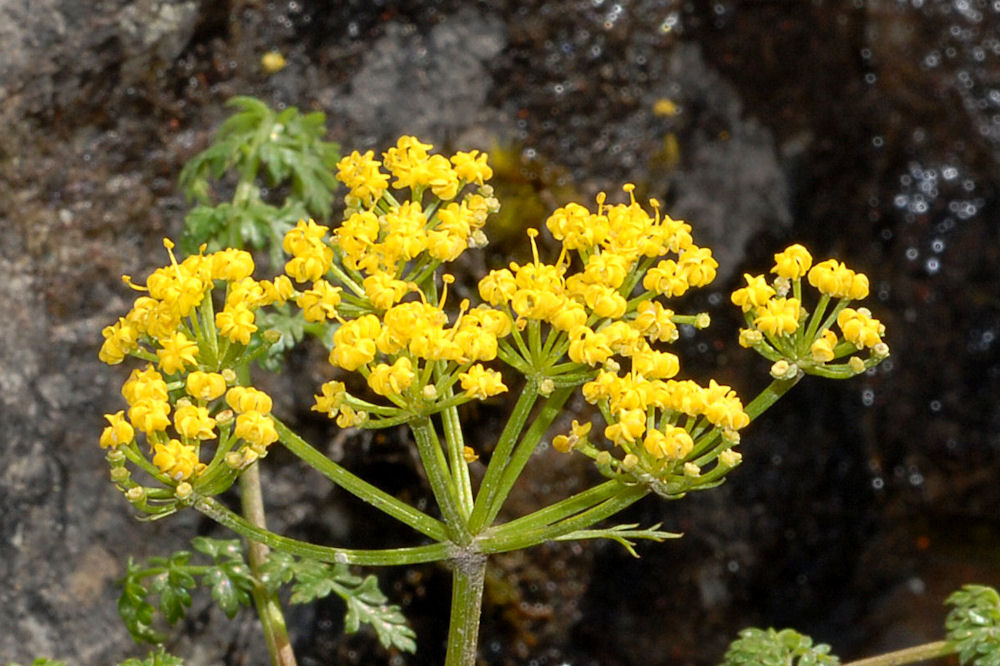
<point x="367" y="604"/>
<point x="760" y="647"/>
<point x="973" y="625"/>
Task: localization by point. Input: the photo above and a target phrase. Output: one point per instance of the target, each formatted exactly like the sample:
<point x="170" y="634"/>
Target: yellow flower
<point x="118" y="432"/>
<point x="193" y="422"/>
<point x="754" y="295"/>
<point x="859" y="327"/>
<point x="838" y="281"/>
<point x="566" y="443"/>
<point x="362" y="175"/>
<point x="311" y="257"/>
<point x="498" y="287"/>
<point x="354" y="342"/>
<point x="793" y="263"/>
<point x="119" y="339"/>
<point x="697" y="266"/>
<point x="236" y="322"/>
<point x="176" y="460"/>
<point x="655" y="321"/>
<point x="330" y="399"/>
<point x="481" y="383"/>
<point x="145" y="384"/>
<point x="272" y="62"/>
<point x="588" y="347"/>
<point x="392" y="379"/>
<point x="230" y="264"/>
<point x="577" y="227"/>
<point x="176" y="352"/>
<point x="248" y="399"/>
<point x="256" y="428"/>
<point x="666" y="279"/>
<point x="319" y="303"/>
<point x="673" y="444"/>
<point x="384" y="291"/>
<point x="205" y="385"/>
<point x="822" y="348"/>
<point x="629" y="426"/>
<point x="471" y="166"/>
<point x="656" y="365"/>
<point x="779" y="316"/>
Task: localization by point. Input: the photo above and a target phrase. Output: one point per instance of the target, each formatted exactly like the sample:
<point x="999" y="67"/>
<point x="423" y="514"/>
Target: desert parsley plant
<point x="595" y="319"/>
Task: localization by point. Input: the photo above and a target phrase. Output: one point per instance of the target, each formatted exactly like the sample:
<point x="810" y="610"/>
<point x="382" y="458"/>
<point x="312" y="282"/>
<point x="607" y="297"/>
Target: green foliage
<point x="776" y="648"/>
<point x="170" y="580"/>
<point x="158" y="658"/>
<point x="284" y="149"/>
<point x="973" y="625"/>
<point x="42" y="661"/>
<point x="365" y="602"/>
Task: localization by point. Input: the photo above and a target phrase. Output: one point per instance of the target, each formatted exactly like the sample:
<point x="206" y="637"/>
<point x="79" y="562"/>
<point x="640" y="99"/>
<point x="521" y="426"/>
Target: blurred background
<point x="868" y="130"/>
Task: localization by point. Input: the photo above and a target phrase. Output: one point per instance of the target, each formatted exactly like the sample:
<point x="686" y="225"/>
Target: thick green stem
<point x="360" y="488"/>
<point x="468" y="578"/>
<point x="389" y="557"/>
<point x="909" y="655"/>
<point x="272" y="620"/>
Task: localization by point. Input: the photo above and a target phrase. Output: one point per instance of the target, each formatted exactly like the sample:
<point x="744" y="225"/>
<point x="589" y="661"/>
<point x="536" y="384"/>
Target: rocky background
<point x="869" y="130"/>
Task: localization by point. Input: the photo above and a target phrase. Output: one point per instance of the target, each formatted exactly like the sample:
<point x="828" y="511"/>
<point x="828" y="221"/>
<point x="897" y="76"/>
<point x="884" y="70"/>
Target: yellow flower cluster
<point x="393" y="327"/>
<point x="175" y="400"/>
<point x="600" y="300"/>
<point x="783" y="330"/>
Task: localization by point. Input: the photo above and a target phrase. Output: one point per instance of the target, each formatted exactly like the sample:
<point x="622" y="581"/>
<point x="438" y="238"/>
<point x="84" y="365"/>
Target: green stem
<point x="468" y="579"/>
<point x="908" y="655"/>
<point x="770" y="395"/>
<point x="501" y="454"/>
<point x="434" y="462"/>
<point x="522" y="453"/>
<point x="389" y="557"/>
<point x="360" y="488"/>
<point x="456" y="458"/>
<point x="562" y="509"/>
<point x="272" y="620"/>
<point x="505" y="540"/>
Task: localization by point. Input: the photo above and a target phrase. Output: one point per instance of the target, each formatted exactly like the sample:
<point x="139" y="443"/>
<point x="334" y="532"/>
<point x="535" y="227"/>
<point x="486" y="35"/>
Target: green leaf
<point x="158" y="658"/>
<point x="230" y="580"/>
<point x="289" y="323"/>
<point x="136" y="612"/>
<point x="759" y="647"/>
<point x="365" y="602"/>
<point x="278" y="569"/>
<point x="315" y="580"/>
<point x="42" y="661"/>
<point x="229" y="589"/>
<point x="973" y="625"/>
<point x="219" y="549"/>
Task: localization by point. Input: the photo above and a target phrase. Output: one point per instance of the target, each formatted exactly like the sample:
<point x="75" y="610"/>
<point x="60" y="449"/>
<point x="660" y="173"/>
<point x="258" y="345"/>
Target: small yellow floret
<point x="480" y="382"/>
<point x="793" y="263"/>
<point x="119" y="432"/>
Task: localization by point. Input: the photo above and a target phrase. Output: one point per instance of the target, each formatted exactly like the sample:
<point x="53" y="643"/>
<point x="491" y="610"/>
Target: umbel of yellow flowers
<point x="598" y="318"/>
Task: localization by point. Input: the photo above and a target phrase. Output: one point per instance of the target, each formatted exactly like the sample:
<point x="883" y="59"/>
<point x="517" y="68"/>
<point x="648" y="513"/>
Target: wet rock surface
<point x="867" y="131"/>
